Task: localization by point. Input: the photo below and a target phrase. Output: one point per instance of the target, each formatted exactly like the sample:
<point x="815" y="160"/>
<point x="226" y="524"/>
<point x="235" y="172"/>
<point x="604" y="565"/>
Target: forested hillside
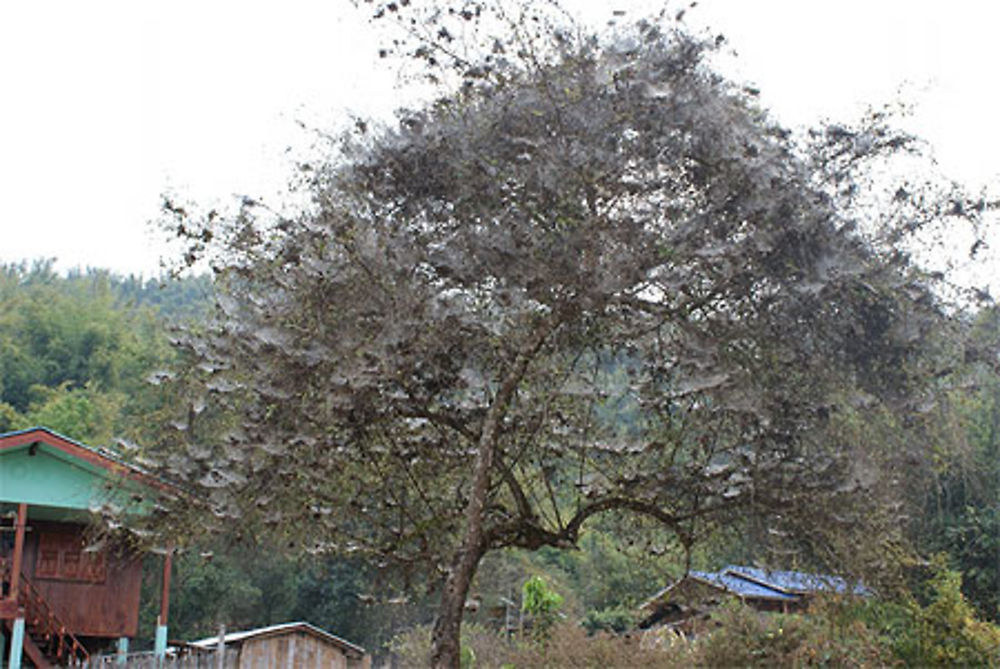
<point x="75" y="350"/>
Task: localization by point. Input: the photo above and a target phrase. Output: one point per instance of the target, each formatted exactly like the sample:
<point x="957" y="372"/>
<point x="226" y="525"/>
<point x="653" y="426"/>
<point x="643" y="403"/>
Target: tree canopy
<point x="597" y="279"/>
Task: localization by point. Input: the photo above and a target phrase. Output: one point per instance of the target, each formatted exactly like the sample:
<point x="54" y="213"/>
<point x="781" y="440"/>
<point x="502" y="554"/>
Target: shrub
<point x="749" y="638"/>
<point x="569" y="645"/>
<point x="481" y="647"/>
<point x="543" y="604"/>
<point x="945" y="632"/>
<point x="616" y="619"/>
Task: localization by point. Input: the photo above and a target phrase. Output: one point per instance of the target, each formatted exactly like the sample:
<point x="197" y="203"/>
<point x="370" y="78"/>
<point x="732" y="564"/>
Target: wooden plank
<point x="294" y="649"/>
<point x="8" y="609"/>
<point x="17" y="565"/>
<point x="108" y="609"/>
<point x="165" y="581"/>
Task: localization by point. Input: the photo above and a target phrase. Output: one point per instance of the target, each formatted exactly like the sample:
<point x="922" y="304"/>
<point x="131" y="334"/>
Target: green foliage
<point x="328" y="596"/>
<point x="85" y="413"/>
<point x="75" y="350"/>
<point x="852" y="632"/>
<point x="609" y="569"/>
<point x="174" y="300"/>
<point x="467" y="657"/>
<point x="539" y="598"/>
<point x="245" y="587"/>
<point x="10" y="419"/>
<point x="615" y="619"/>
<point x="746" y="637"/>
<point x="239" y="588"/>
<point x="212" y="592"/>
<point x="961" y="500"/>
<point x="355" y="601"/>
<point x="542" y="603"/>
<point x="973" y="543"/>
<point x="946" y="631"/>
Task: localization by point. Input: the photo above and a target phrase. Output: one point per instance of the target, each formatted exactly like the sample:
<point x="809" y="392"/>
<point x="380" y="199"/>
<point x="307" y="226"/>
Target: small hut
<point x="763" y="589"/>
<point x="286" y="645"/>
<point x="61" y="597"/>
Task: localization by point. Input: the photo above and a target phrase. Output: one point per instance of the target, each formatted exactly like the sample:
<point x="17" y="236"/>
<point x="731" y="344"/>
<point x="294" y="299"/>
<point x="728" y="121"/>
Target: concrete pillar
<point x="220" y="648"/>
<point x="160" y="642"/>
<point x="17" y="642"/>
<point x="120" y="656"/>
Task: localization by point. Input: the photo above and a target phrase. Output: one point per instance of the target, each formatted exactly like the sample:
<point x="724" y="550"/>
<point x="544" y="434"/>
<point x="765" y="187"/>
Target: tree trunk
<point x="446" y="639"/>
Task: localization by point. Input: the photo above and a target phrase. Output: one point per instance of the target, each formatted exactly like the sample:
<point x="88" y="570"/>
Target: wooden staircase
<point x="47" y="641"/>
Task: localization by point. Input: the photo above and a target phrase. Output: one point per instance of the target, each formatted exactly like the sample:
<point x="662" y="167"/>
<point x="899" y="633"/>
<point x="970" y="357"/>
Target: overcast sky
<point x="103" y="106"/>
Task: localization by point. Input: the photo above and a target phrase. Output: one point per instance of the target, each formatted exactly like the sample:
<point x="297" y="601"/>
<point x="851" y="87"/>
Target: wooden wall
<point x="290" y="650"/>
<point x="92" y="596"/>
<point x="268" y="653"/>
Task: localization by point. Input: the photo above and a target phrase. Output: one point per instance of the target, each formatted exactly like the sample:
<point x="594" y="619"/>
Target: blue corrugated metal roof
<point x="796" y="581"/>
<point x="741" y="586"/>
<point x="754" y="583"/>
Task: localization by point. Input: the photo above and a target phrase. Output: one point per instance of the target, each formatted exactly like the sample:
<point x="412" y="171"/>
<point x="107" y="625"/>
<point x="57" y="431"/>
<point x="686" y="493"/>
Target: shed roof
<point x="278" y="630"/>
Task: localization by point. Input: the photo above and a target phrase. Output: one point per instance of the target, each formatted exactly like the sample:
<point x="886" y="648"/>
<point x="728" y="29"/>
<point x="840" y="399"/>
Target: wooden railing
<point x="42" y="624"/>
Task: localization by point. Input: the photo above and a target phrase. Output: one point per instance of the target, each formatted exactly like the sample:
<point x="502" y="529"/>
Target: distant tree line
<point x="75" y="349"/>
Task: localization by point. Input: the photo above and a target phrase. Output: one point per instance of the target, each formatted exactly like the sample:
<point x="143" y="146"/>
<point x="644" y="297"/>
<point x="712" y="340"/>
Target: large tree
<point x="596" y="278"/>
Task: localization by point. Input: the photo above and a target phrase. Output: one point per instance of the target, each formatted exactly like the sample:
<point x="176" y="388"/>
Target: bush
<point x="943" y="633"/>
<point x="749" y="638"/>
<point x="568" y="645"/>
<point x="542" y="603"/>
<point x="860" y="633"/>
<point x="616" y="619"/>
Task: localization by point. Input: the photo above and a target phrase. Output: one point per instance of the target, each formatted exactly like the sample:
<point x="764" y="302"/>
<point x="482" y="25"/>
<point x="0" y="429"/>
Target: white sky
<point x="105" y="105"/>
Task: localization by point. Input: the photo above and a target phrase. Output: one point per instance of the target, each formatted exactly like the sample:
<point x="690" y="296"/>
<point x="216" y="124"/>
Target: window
<point x="61" y="557"/>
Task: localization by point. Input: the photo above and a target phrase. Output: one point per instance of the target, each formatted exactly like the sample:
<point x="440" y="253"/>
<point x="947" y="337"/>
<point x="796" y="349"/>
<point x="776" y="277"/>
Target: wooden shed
<point x="63" y="598"/>
<point x="297" y="644"/>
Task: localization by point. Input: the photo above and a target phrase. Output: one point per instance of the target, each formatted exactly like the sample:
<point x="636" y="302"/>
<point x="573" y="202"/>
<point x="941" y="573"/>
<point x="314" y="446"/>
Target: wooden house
<point x="287" y="645"/>
<point x="63" y="598"/>
<point x="763" y="589"/>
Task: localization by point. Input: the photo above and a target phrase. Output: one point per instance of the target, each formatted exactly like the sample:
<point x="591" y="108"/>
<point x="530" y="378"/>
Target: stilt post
<point x="17" y="641"/>
<point x="160" y="643"/>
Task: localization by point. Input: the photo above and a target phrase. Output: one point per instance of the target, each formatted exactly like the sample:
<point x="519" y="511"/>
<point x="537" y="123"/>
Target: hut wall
<point x="95" y="597"/>
<point x="290" y="650"/>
